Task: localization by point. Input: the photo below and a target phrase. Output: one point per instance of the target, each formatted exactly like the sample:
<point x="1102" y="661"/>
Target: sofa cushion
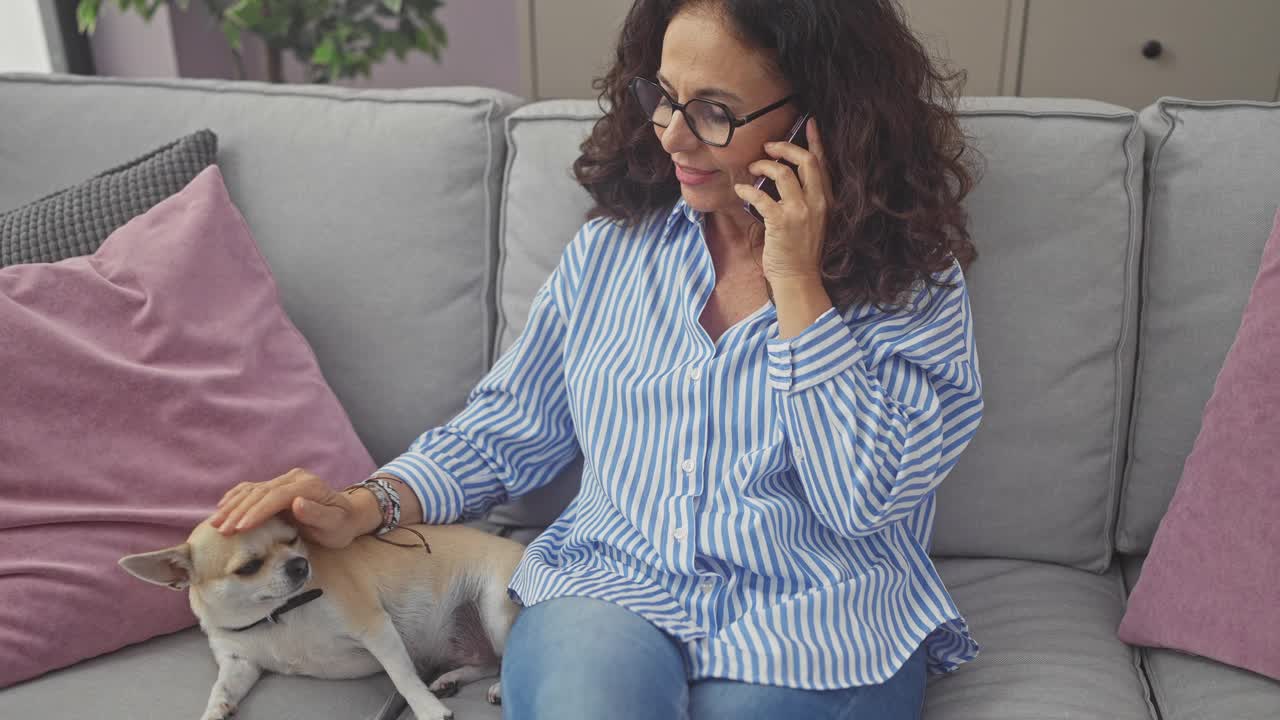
<point x="1048" y="644"/>
<point x="141" y="383"/>
<point x="1212" y="192"/>
<point x="376" y="209"/>
<point x="1054" y="298"/>
<point x="75" y="220"/>
<point x="1212" y="583"/>
<point x="1048" y="651"/>
<point x="1188" y="687"/>
<point x="542" y="208"/>
<point x="171" y="676"/>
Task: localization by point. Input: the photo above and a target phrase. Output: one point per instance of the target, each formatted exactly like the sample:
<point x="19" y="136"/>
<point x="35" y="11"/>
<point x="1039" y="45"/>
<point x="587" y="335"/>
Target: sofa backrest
<point x="409" y="230"/>
<point x="374" y="208"/>
<point x="1056" y="218"/>
<point x="1213" y="188"/>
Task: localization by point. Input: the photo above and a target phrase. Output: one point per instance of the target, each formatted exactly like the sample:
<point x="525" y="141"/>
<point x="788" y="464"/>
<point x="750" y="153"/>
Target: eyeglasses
<point x="712" y="122"/>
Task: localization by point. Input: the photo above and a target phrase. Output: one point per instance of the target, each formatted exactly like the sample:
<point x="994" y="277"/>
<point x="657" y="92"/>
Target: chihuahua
<point x="269" y="601"/>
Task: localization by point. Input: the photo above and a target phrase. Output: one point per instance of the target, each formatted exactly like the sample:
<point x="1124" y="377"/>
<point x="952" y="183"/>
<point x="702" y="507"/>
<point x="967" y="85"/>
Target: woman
<point x="765" y="409"/>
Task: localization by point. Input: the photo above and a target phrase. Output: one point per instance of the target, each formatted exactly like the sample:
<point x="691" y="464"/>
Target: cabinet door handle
<point x="1152" y="49"/>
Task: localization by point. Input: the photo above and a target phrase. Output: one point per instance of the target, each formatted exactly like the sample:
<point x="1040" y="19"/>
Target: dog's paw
<point x="495" y="693"/>
<point x="222" y="711"/>
<point x="443" y="688"/>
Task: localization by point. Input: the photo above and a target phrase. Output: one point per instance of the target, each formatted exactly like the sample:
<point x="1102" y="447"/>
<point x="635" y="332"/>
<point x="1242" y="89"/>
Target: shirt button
<point x="799" y="454"/>
<point x="695" y="374"/>
<point x="680" y="533"/>
<point x="687" y="465"/>
<point x="708" y="585"/>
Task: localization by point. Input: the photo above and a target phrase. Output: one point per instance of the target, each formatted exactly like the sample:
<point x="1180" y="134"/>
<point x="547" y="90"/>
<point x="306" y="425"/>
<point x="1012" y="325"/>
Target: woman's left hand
<point x="795" y="228"/>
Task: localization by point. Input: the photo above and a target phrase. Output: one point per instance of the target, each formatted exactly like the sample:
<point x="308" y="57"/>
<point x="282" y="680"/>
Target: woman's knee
<point x="580" y="657"/>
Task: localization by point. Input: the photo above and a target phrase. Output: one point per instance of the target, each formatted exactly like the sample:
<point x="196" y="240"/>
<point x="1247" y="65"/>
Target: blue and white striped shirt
<point x="767" y="502"/>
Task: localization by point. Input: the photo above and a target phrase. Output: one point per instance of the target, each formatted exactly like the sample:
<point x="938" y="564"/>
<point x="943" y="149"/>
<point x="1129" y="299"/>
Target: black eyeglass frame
<point x="735" y="122"/>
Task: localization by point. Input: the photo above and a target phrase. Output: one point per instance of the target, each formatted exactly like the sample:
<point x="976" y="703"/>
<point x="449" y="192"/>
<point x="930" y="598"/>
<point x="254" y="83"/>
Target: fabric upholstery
<point x="1212" y="577"/>
<point x="1056" y="220"/>
<point x="1213" y="190"/>
<point x="377" y="210"/>
<point x="1189" y="687"/>
<point x="75" y="220"/>
<point x="141" y="383"/>
<point x="1048" y="644"/>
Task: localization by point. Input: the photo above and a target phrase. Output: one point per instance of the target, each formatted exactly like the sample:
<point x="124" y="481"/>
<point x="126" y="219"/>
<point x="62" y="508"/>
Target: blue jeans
<point x="575" y="658"/>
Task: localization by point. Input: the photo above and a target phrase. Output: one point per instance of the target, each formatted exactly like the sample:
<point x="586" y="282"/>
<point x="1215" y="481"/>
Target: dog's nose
<point x="296" y="568"/>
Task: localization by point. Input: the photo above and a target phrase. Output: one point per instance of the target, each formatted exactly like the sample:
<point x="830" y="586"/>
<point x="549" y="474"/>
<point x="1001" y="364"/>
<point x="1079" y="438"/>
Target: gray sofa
<point x="409" y="230"/>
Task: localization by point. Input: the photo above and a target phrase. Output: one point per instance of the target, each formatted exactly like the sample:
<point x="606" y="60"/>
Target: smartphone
<point x="795" y="136"/>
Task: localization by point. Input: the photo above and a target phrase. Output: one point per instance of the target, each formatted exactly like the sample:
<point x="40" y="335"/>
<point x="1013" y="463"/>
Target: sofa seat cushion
<point x="1048" y="638"/>
<point x="170" y="676"/>
<point x="1190" y="687"/>
<point x="1049" y="645"/>
<point x="1048" y="635"/>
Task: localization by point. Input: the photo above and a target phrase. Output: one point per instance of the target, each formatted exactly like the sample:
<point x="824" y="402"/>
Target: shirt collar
<point x="680" y="210"/>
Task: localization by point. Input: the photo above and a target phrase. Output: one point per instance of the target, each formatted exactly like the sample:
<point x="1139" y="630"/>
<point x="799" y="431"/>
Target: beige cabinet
<point x="1131" y="52"/>
<point x="569" y="42"/>
<point x="1128" y="52"/>
<point x="968" y="35"/>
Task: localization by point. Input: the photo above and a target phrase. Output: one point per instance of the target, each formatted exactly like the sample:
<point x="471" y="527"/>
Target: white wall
<point x="22" y="40"/>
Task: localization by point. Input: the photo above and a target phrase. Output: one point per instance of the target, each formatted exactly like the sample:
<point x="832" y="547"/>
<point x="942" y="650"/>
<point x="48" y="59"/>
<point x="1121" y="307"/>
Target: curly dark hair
<point x="899" y="162"/>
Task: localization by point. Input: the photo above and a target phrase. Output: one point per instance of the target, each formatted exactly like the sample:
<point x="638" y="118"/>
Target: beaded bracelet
<point x="388" y="502"/>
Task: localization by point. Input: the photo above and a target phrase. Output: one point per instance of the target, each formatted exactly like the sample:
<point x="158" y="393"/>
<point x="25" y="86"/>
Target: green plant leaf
<point x="438" y="36"/>
<point x="324" y="53"/>
<point x="147" y="10"/>
<point x="87" y="15"/>
<point x="248" y="14"/>
<point x="333" y="38"/>
<point x="232" y="33"/>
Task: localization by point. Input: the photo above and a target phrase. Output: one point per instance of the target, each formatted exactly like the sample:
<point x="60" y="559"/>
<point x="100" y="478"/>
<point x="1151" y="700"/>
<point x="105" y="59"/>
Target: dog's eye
<point x="293" y="540"/>
<point x="250" y="567"/>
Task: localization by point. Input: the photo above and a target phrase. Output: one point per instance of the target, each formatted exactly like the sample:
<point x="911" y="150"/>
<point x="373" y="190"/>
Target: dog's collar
<point x="274" y="617"/>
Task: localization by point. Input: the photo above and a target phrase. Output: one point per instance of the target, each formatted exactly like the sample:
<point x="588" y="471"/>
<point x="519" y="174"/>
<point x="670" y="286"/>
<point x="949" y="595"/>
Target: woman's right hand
<point x="323" y="515"/>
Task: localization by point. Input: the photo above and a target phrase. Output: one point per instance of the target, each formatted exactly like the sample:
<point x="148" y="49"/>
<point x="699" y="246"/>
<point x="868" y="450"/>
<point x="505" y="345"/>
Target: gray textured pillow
<point x="74" y="221"/>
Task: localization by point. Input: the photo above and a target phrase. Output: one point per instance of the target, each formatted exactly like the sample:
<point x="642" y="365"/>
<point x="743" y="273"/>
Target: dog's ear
<point x="170" y="567"/>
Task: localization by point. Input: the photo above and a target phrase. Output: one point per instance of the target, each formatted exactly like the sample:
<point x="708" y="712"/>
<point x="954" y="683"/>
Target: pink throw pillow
<point x="140" y="383"/>
<point x="1211" y="583"/>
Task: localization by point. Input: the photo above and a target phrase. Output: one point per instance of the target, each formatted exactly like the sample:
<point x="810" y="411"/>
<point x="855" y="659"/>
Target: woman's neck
<point x="731" y="233"/>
